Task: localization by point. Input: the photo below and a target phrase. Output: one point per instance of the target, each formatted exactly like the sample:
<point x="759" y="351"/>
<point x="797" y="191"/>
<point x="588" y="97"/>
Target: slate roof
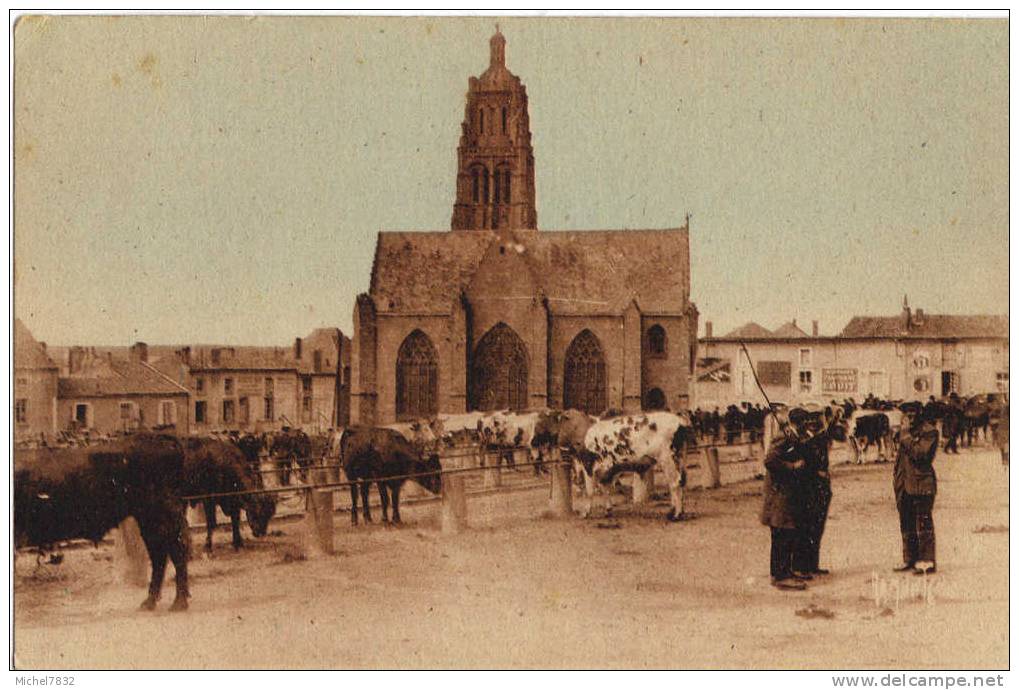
<point x="789" y="330"/>
<point x="106" y="377"/>
<point x="28" y="352"/>
<point x="594" y="271"/>
<point x="930" y="326"/>
<point x="749" y="331"/>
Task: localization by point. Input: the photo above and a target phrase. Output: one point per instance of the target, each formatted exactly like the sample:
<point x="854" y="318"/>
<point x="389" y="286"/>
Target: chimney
<point x="297" y="348"/>
<point x="813" y="328"/>
<point x="794" y="323"/>
<point x="140" y="352"/>
<point x="707" y="329"/>
<point x="918" y="320"/>
<point x="75" y="359"/>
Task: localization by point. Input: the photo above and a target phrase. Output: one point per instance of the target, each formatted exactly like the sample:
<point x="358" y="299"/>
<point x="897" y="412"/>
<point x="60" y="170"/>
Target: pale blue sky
<point x="222" y="180"/>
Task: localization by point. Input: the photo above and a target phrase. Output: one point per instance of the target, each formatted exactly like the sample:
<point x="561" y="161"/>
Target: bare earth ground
<point x="521" y="590"/>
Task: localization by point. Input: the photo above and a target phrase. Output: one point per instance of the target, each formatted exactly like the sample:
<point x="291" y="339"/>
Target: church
<point x="497" y="314"/>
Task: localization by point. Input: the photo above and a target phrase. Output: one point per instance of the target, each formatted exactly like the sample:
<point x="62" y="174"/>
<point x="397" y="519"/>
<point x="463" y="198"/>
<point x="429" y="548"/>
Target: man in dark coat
<point x="816" y="500"/>
<point x="783" y="496"/>
<point x="916" y="485"/>
<point x="951" y="425"/>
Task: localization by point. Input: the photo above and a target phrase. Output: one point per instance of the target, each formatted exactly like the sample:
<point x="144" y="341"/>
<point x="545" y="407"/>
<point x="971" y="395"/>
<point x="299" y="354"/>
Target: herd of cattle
<point x="84" y="491"/>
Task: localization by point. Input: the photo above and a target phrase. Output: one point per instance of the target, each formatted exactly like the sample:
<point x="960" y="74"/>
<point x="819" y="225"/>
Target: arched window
<point x="654" y="399"/>
<point x="481" y="120"/>
<point x="506" y="185"/>
<point x="657" y="345"/>
<point x="417" y="378"/>
<point x="475" y="184"/>
<point x="497" y="184"/>
<point x="504" y="119"/>
<point x="499" y="371"/>
<point x="484" y="185"/>
<point x="584" y="375"/>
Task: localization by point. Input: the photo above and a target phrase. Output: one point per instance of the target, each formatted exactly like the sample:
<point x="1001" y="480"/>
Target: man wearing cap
<point x="915" y="485"/>
<point x="783" y="498"/>
<point x="817" y="496"/>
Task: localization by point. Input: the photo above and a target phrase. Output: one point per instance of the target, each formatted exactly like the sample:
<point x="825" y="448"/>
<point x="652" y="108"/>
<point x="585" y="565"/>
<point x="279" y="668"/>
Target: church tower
<point x="495" y="172"/>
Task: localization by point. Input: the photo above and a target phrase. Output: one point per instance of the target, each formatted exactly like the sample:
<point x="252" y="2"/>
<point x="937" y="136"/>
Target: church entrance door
<point x="499" y="371"/>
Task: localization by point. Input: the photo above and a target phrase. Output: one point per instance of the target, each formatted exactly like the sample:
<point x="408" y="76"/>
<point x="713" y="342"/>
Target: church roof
<point x="581" y="272"/>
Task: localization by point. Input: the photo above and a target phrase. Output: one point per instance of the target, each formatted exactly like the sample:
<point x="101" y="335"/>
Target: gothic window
<point x="479" y="184"/>
<point x="656" y="342"/>
<point x="504" y="119"/>
<point x="417" y="378"/>
<point x="584" y="376"/>
<point x="481" y="118"/>
<point x="502" y="178"/>
<point x="499" y="371"/>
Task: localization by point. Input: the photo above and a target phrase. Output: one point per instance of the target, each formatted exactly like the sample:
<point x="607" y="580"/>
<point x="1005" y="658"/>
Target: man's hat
<point x="798" y="415"/>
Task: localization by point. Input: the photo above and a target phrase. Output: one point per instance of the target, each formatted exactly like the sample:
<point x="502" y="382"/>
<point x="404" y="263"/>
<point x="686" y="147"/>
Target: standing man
<point x="783" y="496"/>
<point x="816" y="494"/>
<point x="915" y="486"/>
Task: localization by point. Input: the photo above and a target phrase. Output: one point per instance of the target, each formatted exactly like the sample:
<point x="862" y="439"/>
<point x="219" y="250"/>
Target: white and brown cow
<point x="636" y="443"/>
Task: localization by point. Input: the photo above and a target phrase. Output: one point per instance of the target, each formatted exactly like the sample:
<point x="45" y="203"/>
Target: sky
<point x="199" y="180"/>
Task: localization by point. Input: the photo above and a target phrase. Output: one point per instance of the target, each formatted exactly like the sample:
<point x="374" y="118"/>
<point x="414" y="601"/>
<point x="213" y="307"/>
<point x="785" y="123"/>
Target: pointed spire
<point x="498" y="48"/>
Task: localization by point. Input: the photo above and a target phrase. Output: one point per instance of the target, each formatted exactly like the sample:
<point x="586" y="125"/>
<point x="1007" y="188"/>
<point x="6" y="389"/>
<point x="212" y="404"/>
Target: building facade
<point x="249" y="388"/>
<point x="35" y="387"/>
<point x="496" y="314"/>
<point x="911" y="356"/>
<point x="110" y="396"/>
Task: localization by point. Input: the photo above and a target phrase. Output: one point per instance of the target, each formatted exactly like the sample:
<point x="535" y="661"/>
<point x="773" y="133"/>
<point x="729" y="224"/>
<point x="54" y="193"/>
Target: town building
<point x="251" y="388"/>
<point x="106" y="395"/>
<point x="35" y="387"/>
<point x="497" y="314"/>
<point x="910" y="356"/>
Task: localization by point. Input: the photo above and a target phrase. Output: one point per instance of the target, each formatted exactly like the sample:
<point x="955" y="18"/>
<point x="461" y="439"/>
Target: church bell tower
<point x="495" y="172"/>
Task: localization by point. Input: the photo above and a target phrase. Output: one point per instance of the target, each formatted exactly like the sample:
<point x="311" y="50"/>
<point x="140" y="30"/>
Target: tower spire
<point x="495" y="176"/>
<point x="497" y="46"/>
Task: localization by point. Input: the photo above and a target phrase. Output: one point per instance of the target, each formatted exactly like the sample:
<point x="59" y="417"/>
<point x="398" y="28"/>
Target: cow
<point x="636" y="443"/>
<point x="384" y="456"/>
<point x="83" y="493"/>
<point x="212" y="466"/>
<point x="872" y="428"/>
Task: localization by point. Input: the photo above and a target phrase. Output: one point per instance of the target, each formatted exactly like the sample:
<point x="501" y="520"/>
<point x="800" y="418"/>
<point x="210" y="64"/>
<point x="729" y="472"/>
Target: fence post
<point x="131" y="553"/>
<point x="493" y="473"/>
<point x="713" y="477"/>
<point x="562" y="486"/>
<point x="454" y="502"/>
<point x="319" y="518"/>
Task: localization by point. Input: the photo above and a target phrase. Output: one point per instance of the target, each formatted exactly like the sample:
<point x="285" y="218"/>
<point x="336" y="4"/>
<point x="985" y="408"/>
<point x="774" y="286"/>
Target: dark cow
<point x="873" y="428"/>
<point x="83" y="493"/>
<point x="212" y="466"/>
<point x="377" y="455"/>
<point x="291" y="448"/>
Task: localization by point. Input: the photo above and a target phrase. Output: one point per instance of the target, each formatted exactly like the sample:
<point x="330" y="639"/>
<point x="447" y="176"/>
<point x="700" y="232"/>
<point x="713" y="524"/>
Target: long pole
<point x="756" y="380"/>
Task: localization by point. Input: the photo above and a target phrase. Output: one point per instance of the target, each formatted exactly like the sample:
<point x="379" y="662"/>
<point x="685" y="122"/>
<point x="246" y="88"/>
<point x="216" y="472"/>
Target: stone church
<point x="497" y="314"/>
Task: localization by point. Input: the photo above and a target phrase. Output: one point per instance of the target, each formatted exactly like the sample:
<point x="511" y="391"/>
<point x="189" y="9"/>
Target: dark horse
<point x="83" y="493"/>
<point x="212" y="466"/>
<point x="377" y="455"/>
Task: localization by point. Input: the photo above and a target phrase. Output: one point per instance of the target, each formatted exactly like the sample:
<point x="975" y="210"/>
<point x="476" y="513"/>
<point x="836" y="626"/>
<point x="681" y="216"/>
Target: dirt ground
<point x="519" y="590"/>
